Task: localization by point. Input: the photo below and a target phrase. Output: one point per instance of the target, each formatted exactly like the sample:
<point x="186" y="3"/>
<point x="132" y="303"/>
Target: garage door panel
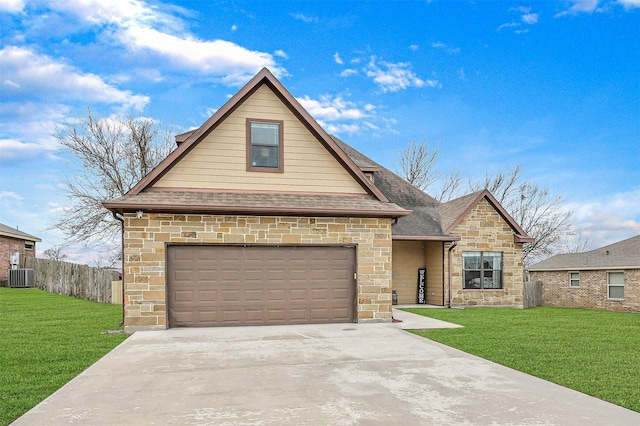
<point x="234" y="285"/>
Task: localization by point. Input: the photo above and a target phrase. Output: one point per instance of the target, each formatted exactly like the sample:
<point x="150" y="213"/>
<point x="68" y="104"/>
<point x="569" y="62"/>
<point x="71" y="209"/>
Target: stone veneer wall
<point x="146" y="238"/>
<point x="592" y="292"/>
<point x="485" y="230"/>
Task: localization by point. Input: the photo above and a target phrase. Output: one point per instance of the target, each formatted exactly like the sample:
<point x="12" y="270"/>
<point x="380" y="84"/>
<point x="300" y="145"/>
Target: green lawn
<point x="594" y="352"/>
<point x="46" y="340"/>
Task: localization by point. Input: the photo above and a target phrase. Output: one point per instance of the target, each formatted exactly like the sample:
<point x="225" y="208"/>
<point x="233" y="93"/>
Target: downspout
<point x="449" y="255"/>
<point x="120" y="218"/>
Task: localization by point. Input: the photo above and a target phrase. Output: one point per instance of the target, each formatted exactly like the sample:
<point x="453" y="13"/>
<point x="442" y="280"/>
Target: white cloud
<point x="142" y="26"/>
<point x="348" y="72"/>
<point x="509" y="25"/>
<point x="304" y="18"/>
<point x="338" y="59"/>
<point x="331" y="109"/>
<point x="530" y="18"/>
<point x="580" y="6"/>
<point x="609" y="220"/>
<point x="43" y="77"/>
<point x="281" y="54"/>
<point x="10" y="195"/>
<point x="235" y="63"/>
<point x="26" y="130"/>
<point x="392" y="77"/>
<point x="443" y="46"/>
<point x="630" y="4"/>
<point x="414" y="47"/>
<point x="234" y="27"/>
<point x="12" y="6"/>
<point x="337" y="115"/>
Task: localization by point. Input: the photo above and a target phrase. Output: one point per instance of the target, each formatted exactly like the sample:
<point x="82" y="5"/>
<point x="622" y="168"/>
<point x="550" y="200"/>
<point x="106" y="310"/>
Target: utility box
<point x="21" y="278"/>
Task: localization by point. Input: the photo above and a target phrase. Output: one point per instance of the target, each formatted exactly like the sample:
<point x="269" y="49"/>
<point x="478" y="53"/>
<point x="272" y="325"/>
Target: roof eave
<point x="120" y="207"/>
<point x="21" y="237"/>
<point x="443" y="238"/>
<point x="582" y="268"/>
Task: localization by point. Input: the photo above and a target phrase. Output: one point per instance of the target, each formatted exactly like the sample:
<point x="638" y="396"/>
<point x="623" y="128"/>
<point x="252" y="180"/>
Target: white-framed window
<point x="574" y="279"/>
<point x="615" y="285"/>
<point x="264" y="145"/>
<point x="482" y="270"/>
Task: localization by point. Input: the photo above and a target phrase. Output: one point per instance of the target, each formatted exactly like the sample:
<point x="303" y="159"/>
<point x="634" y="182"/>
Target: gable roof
<point x="188" y="140"/>
<point x="424" y="223"/>
<point x="431" y="219"/>
<point x="143" y="196"/>
<point x="454" y="211"/>
<point x="7" y="231"/>
<point x="621" y="255"/>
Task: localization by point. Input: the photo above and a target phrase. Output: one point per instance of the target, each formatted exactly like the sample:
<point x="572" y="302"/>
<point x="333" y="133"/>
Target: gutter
<point x="449" y="256"/>
<point x="120" y="219"/>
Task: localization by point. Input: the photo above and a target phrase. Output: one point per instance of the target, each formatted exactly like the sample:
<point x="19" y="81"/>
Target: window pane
<point x="616" y="278"/>
<point x="265" y="156"/>
<point x="574" y="279"/>
<point x="265" y="134"/>
<point x="472" y="280"/>
<point x="488" y="281"/>
<point x="616" y="292"/>
<point x="492" y="260"/>
<point x="471" y="260"/>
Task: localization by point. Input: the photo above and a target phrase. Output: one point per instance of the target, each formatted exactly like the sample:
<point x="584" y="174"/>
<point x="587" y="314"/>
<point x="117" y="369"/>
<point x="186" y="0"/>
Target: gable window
<point x="615" y="285"/>
<point x="264" y="145"/>
<point x="482" y="270"/>
<point x="574" y="279"/>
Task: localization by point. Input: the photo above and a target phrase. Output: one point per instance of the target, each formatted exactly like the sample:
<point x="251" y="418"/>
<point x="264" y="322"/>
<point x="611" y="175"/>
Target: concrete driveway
<point x="344" y="374"/>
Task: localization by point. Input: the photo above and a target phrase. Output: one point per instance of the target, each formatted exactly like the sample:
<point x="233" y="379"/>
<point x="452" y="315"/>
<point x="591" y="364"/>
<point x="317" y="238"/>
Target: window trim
<point x="250" y="167"/>
<point x="571" y="280"/>
<point x="482" y="270"/>
<point x="609" y="285"/>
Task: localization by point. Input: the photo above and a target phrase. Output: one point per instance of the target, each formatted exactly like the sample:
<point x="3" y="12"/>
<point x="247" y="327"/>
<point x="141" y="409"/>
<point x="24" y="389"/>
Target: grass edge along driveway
<point x="593" y="352"/>
<point x="46" y="340"/>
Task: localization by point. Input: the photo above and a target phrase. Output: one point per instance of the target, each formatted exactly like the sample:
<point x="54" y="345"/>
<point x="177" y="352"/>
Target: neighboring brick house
<point x="605" y="278"/>
<point x="260" y="217"/>
<point x="13" y="240"/>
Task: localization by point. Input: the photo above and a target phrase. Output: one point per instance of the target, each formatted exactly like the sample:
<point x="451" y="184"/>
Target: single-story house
<point x="605" y="278"/>
<point x="261" y="217"/>
<point x="12" y="241"/>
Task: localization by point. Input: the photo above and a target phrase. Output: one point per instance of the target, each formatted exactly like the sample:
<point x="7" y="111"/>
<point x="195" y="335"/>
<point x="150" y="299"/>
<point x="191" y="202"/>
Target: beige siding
<point x="408" y="257"/>
<point x="219" y="161"/>
<point x="435" y="270"/>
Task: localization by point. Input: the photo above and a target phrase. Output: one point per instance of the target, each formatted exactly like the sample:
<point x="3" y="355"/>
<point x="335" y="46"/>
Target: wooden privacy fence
<point x="532" y="294"/>
<point x="70" y="279"/>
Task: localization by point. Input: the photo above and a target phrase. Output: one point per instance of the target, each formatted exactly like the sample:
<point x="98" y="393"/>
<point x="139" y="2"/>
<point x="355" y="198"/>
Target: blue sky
<point x="552" y="86"/>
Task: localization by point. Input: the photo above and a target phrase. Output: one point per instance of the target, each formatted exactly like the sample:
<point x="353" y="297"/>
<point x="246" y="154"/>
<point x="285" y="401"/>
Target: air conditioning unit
<point x="21" y="278"/>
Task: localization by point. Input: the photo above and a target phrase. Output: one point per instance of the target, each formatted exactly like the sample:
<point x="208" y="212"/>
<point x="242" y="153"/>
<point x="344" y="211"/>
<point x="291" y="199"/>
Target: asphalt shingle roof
<point x="623" y="254"/>
<point x="425" y="220"/>
<point x="8" y="231"/>
<point x="256" y="203"/>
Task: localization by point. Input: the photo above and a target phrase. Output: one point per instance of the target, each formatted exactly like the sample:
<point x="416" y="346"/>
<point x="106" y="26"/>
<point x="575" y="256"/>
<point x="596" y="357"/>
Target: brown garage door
<point x="259" y="285"/>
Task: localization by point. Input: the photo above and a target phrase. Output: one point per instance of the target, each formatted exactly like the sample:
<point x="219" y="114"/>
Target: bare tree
<point x="539" y="212"/>
<point x="417" y="164"/>
<point x="113" y="155"/>
<point x="575" y="241"/>
<point x="54" y="253"/>
<point x="449" y="189"/>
